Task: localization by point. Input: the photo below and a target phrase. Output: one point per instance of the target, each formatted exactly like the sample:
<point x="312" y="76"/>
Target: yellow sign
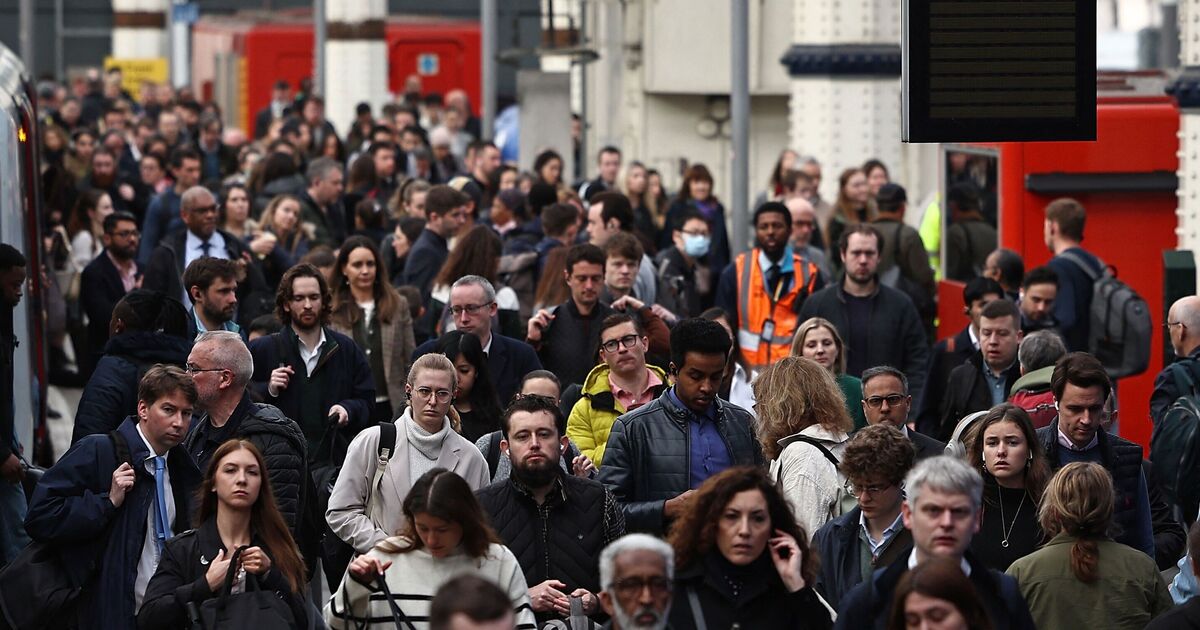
<point x="135" y="71"/>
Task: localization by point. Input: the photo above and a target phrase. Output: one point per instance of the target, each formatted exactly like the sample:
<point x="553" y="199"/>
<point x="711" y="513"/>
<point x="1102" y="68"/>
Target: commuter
<point x="475" y="401"/>
<point x="1186" y="615"/>
<point x="1082" y="578"/>
<point x="802" y="427"/>
<point x="13" y="502"/>
<point x="113" y="500"/>
<point x="1038" y="353"/>
<point x="970" y="237"/>
<point x="555" y="524"/>
<point x="936" y="594"/>
<point x="696" y="193"/>
<point x="903" y="250"/>
<point x="682" y="275"/>
<point x="811" y="168"/>
<point x="986" y="378"/>
<point x="805" y="235"/>
<point x="446" y="210"/>
<point x="637" y="571"/>
<point x="478" y="253"/>
<point x="886" y="400"/>
<point x="649" y="211"/>
<point x="85" y="227"/>
<point x="280" y="105"/>
<point x="735" y="387"/>
<point x="212" y="285"/>
<point x="608" y="166"/>
<point x="608" y="214"/>
<point x="560" y="223"/>
<point x="445" y="533"/>
<point x="163" y="214"/>
<point x="470" y="602"/>
<point x="658" y="454"/>
<point x="1064" y="225"/>
<point x="854" y="205"/>
<point x="109" y="277"/>
<point x="818" y="340"/>
<point x="282" y="239"/>
<point x="743" y="560"/>
<point x="1183" y="328"/>
<point x="321" y="203"/>
<point x="536" y="383"/>
<point x="1008" y="269"/>
<point x="1039" y="290"/>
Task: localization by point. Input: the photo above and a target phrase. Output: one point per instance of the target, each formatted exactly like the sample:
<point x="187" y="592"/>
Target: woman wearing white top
<point x="801" y="418"/>
<point x="446" y="535"/>
<point x="86" y="227"/>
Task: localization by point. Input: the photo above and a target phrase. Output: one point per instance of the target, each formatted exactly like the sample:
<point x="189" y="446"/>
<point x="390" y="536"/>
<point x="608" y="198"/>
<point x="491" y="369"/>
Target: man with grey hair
<point x="886" y="400"/>
<point x="943" y="510"/>
<point x="1037" y="354"/>
<point x="637" y="572"/>
<point x="1183" y="327"/>
<point x="321" y="203"/>
<point x="473" y="307"/>
<point x="221" y="366"/>
<point x="809" y="165"/>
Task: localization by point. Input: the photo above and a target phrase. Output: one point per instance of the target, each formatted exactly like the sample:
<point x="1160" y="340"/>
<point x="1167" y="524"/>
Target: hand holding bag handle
<point x="397" y="614"/>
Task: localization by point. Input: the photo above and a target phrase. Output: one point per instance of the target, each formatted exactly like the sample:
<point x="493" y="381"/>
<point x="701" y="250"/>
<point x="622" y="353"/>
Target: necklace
<point x="1005" y="534"/>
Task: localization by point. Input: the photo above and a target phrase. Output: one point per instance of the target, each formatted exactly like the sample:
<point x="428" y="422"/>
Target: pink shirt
<point x="630" y="400"/>
<point x="127" y="271"/>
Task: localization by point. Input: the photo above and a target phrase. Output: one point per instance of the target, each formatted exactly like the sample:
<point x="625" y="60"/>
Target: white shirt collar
<point x="1067" y="443"/>
<point x="912" y="563"/>
<point x="150" y="448"/>
<point x="974" y="337"/>
<point x="488" y="347"/>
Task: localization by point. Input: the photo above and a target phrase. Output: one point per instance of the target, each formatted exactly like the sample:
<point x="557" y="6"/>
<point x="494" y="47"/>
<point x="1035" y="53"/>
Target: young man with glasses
<point x="622" y="383"/>
<point x="886" y="400"/>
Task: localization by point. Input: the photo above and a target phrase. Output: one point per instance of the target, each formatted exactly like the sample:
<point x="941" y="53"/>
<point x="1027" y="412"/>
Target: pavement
<point x="64" y="400"/>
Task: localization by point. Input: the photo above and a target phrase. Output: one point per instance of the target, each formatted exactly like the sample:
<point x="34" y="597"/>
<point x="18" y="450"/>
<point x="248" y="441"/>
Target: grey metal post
<point x="181" y="57"/>
<point x="320" y="34"/>
<point x="26" y="25"/>
<point x="489" y="23"/>
<point x="739" y="110"/>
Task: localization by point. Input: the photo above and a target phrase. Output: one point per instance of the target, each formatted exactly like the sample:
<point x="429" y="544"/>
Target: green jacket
<point x="593" y="415"/>
<point x="1128" y="593"/>
<point x="851" y="387"/>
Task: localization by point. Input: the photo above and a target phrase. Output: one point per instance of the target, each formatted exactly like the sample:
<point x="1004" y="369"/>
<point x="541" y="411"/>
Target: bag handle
<point x="697" y="613"/>
<point x="230" y="574"/>
<point x="398" y="615"/>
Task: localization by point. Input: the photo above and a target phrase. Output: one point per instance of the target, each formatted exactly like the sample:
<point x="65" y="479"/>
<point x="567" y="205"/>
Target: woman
<point x="735" y="386"/>
<point x="504" y="178"/>
<point x="79" y="159"/>
<point x="409" y="200"/>
<point x="368" y="309"/>
<point x="648" y="215"/>
<point x="775" y="189"/>
<point x="818" y="340"/>
<point x="853" y="206"/>
<point x="235" y="212"/>
<point x="282" y="240"/>
<point x="152" y="169"/>
<point x="936" y="594"/>
<point x="696" y="192"/>
<point x="237" y="510"/>
<point x="476" y="401"/>
<point x="547" y="168"/>
<point x="446" y="534"/>
<point x="477" y="254"/>
<point x="877" y="176"/>
<point x="1082" y="578"/>
<point x="536" y="383"/>
<point x="275" y="175"/>
<point x="551" y="289"/>
<point x="395" y="246"/>
<point x="1015" y="471"/>
<point x="802" y="425"/>
<point x="86" y="227"/>
<point x="742" y="560"/>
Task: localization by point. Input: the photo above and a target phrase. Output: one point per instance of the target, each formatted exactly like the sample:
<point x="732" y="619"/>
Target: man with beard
<point x="879" y="324"/>
<point x="212" y="285"/>
<point x="109" y="276"/>
<point x="555" y="524"/>
<point x="103" y="176"/>
<point x="763" y="289"/>
<point x="1039" y="290"/>
<point x="636" y="572"/>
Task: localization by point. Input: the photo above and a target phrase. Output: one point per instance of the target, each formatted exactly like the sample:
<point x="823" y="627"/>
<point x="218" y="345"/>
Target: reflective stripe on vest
<point x="755" y="307"/>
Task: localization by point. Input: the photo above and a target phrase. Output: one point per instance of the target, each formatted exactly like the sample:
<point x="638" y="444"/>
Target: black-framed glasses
<point x="206" y="209"/>
<point x="632" y="587"/>
<point x="1168" y="325"/>
<point x="875" y="402"/>
<point x="469" y="309"/>
<point x="611" y="345"/>
<point x="192" y="368"/>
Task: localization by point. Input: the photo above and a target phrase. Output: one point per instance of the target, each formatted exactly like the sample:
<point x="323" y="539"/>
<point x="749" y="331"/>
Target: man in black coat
<point x="12" y="492"/>
<point x="1183" y="327"/>
<point x="280" y="105"/>
<point x="109" y="276"/>
<point x="446" y="209"/>
<point x="986" y="378"/>
<point x="886" y="400"/>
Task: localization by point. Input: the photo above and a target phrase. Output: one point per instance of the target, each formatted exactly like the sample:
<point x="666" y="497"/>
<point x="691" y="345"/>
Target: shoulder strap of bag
<point x="121" y="447"/>
<point x="697" y="613"/>
<point x="493" y="454"/>
<point x="387" y="445"/>
<point x="397" y="614"/>
<point x="1078" y="261"/>
<point x="1185" y="379"/>
<point x="815" y="442"/>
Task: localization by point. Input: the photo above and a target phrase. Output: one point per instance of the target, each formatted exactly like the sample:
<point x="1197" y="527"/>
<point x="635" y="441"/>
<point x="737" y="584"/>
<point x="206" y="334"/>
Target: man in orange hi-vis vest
<point x="763" y="288"/>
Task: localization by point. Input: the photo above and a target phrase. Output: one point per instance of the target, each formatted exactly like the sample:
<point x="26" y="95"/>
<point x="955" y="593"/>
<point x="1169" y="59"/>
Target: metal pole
<point x="488" y="19"/>
<point x="181" y="31"/>
<point x="581" y="165"/>
<point x="320" y="34"/>
<point x="60" y="64"/>
<point x="739" y="110"/>
<point x="26" y="37"/>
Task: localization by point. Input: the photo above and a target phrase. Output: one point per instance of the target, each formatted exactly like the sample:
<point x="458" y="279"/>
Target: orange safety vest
<point x="778" y="313"/>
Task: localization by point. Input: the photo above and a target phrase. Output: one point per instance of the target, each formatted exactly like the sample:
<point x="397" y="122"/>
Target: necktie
<point x="204" y="247"/>
<point x="162" y="521"/>
<point x="773" y="276"/>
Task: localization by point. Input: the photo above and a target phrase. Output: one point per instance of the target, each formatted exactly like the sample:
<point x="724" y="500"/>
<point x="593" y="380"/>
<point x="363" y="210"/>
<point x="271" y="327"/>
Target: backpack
<point x="335" y="552"/>
<point x="1120" y="331"/>
<point x="1175" y="445"/>
<point x="893" y="277"/>
<point x="844" y="500"/>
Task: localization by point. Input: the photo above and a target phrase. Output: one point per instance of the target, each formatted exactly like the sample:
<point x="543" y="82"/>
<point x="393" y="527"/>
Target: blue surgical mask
<point x="695" y="245"/>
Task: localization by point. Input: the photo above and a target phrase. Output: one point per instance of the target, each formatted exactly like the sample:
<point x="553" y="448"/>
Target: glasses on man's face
<point x="124" y="233"/>
<point x="858" y="491"/>
<point x="469" y="309"/>
<point x="205" y="209"/>
<point x="440" y="395"/>
<point x="875" y="402"/>
<point x="611" y="345"/>
<point x="632" y="586"/>
<point x="192" y="368"/>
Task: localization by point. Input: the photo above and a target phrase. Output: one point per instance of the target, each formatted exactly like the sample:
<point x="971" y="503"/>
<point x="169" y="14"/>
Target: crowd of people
<point x="395" y="382"/>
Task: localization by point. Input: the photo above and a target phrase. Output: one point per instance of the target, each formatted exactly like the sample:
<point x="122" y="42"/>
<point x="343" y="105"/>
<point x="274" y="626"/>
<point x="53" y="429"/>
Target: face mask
<point x="695" y="245"/>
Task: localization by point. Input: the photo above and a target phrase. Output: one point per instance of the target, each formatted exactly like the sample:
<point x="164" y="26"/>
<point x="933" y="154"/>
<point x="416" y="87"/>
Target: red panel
<point x="457" y="47"/>
<point x="274" y="52"/>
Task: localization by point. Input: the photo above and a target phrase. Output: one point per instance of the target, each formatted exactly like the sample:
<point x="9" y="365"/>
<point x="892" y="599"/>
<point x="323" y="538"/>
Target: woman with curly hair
<point x="936" y="594"/>
<point x="818" y="339"/>
<point x="802" y="426"/>
<point x="742" y="560"/>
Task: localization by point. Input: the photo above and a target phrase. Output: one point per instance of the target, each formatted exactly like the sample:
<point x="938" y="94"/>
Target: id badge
<point x="768" y="331"/>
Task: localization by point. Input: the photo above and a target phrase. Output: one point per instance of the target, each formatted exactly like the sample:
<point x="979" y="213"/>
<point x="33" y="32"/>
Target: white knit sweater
<point x="413" y="579"/>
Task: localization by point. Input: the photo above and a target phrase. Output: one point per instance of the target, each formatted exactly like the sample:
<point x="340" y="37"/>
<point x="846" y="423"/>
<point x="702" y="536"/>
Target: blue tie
<point x="162" y="521"/>
<point x="204" y="247"/>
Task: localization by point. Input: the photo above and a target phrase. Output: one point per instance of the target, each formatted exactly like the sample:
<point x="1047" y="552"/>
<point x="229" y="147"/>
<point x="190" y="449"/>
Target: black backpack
<point x="1119" y="326"/>
<point x="1175" y="445"/>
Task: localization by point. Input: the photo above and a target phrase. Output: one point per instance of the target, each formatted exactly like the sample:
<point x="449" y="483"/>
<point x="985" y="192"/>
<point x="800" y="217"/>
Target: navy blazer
<point x="509" y="360"/>
<point x="100" y="288"/>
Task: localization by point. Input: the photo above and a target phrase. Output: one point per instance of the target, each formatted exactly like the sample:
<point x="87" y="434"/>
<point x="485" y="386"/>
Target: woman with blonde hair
<point x="802" y="427"/>
<point x="817" y="339"/>
<point x="853" y="206"/>
<point x="281" y="240"/>
<point x="1121" y="586"/>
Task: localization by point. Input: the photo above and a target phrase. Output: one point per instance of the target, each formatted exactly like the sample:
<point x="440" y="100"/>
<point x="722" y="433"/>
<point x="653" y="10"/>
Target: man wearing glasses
<point x="109" y="277"/>
<point x="886" y="400"/>
<point x="637" y="572"/>
<point x="1183" y="327"/>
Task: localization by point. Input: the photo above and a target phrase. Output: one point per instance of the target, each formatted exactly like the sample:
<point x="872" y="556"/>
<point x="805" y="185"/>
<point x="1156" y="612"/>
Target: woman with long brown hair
<point x="237" y="511"/>
<point x="742" y="560"/>
<point x="1082" y="578"/>
<point x="445" y="534"/>
<point x="368" y="309"/>
<point x="853" y="206"/>
<point x="477" y="254"/>
<point x="937" y="594"/>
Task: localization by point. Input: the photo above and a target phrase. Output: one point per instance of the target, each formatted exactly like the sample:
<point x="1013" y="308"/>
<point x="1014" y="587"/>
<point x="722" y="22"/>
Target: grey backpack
<point x="1119" y="332"/>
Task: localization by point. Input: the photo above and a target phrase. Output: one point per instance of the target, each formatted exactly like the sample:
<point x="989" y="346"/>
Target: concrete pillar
<point x="1187" y="90"/>
<point x="356" y="60"/>
<point x="140" y="29"/>
<point x="545" y="99"/>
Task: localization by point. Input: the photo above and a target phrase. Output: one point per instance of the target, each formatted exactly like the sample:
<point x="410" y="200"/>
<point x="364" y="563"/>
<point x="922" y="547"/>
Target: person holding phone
<point x="757" y="572"/>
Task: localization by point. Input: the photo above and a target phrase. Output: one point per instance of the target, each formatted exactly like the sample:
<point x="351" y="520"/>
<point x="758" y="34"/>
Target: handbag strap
<point x="397" y="614"/>
<point x="230" y="574"/>
<point x="697" y="614"/>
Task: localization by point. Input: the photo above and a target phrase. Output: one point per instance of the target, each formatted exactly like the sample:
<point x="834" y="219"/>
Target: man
<point x="1039" y="290"/>
<point x="217" y="159"/>
<point x="804" y="228"/>
<point x="622" y="383"/>
<point x="658" y="454"/>
<point x="221" y="366"/>
<point x="315" y="375"/>
<point x="200" y="238"/>
<point x="487" y="160"/>
<point x="763" y="289"/>
<point x="952" y="352"/>
<point x="446" y="210"/>
<point x="212" y="285"/>
<point x="986" y="378"/>
<point x="1081" y="387"/>
<point x="560" y="222"/>
<point x="312" y="112"/>
<point x="943" y="510"/>
<point x="96" y="504"/>
<point x="886" y="400"/>
<point x="812" y="168"/>
<point x="12" y="493"/>
<point x="383" y="156"/>
<point x="903" y="263"/>
<point x="281" y="103"/>
<point x="109" y="276"/>
<point x="1063" y="231"/>
<point x="555" y="524"/>
<point x="1037" y="354"/>
<point x="879" y="324"/>
<point x="608" y="214"/>
<point x="970" y="237"/>
<point x="623" y="254"/>
<point x="103" y="176"/>
<point x="637" y="572"/>
<point x="1183" y="327"/>
<point x="608" y="163"/>
<point x="1006" y="267"/>
<point x="471" y="602"/>
<point x="473" y="305"/>
<point x="871" y="535"/>
<point x="320" y="205"/>
<point x="163" y="213"/>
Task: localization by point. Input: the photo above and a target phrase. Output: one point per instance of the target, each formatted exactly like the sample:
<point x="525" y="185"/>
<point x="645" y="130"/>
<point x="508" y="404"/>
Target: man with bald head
<point x="198" y="238"/>
<point x="804" y="223"/>
<point x="1183" y="326"/>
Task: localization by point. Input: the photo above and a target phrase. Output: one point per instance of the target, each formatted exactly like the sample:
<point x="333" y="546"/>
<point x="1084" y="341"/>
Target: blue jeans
<point x="12" y="520"/>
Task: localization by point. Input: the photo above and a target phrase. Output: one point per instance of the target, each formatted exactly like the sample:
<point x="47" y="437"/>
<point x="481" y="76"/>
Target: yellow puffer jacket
<point x="593" y="415"/>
